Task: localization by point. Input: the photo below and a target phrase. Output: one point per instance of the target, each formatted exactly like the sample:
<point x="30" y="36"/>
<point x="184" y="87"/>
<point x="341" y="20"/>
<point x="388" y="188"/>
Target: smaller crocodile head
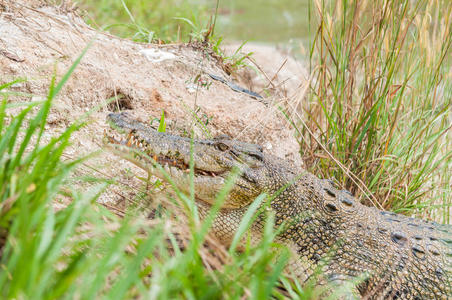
<point x="214" y="160"/>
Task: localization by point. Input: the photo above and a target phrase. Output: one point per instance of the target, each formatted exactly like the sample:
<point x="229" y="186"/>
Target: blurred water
<point x="269" y="21"/>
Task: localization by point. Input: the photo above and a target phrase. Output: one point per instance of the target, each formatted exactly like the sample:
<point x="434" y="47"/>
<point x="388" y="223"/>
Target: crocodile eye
<point x="221" y="146"/>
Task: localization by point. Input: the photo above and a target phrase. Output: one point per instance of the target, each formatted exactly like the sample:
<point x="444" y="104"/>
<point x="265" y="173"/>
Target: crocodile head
<point x="214" y="160"/>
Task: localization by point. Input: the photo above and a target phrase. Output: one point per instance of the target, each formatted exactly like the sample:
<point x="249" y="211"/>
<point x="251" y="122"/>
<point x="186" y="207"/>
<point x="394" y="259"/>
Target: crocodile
<point x="329" y="230"/>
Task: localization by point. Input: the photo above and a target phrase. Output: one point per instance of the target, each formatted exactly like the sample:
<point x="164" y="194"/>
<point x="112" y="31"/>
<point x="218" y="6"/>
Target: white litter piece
<point x="268" y="146"/>
<point x="192" y="88"/>
<point x="156" y="55"/>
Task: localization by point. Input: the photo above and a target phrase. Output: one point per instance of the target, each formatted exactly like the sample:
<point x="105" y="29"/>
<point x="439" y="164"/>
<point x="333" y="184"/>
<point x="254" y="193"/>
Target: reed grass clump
<point x="378" y="113"/>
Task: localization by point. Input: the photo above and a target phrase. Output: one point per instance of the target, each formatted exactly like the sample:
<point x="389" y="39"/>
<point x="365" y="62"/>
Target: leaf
<point x="162" y="124"/>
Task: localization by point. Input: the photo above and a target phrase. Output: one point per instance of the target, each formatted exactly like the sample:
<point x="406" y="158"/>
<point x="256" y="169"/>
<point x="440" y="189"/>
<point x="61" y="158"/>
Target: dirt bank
<point x="37" y="41"/>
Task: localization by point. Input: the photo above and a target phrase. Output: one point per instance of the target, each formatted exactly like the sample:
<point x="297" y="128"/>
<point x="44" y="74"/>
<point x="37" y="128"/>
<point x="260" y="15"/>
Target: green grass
<point x="150" y="21"/>
<point x="378" y="113"/>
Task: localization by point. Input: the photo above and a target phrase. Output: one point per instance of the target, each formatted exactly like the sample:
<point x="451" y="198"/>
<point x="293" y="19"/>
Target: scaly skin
<point x="399" y="257"/>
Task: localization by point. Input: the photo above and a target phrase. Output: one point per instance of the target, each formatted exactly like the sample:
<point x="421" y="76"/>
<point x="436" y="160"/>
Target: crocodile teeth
<point x="130" y="140"/>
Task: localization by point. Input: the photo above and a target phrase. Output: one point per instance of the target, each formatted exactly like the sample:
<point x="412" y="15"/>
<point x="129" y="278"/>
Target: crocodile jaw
<point x="168" y="157"/>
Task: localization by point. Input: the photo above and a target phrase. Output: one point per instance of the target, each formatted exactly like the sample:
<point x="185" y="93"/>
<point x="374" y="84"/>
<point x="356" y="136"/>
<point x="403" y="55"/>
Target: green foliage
<point x="235" y="61"/>
<point x="150" y="21"/>
<point x="32" y="175"/>
<point x="380" y="101"/>
<point x="162" y="123"/>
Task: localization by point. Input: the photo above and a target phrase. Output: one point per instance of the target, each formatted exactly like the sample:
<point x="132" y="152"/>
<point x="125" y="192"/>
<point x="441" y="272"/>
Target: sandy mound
<point x="38" y="41"/>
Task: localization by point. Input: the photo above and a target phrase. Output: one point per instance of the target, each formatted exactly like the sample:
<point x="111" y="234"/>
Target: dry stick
<point x="282" y="82"/>
<point x="276" y="74"/>
<point x="260" y="69"/>
<point x="279" y="69"/>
